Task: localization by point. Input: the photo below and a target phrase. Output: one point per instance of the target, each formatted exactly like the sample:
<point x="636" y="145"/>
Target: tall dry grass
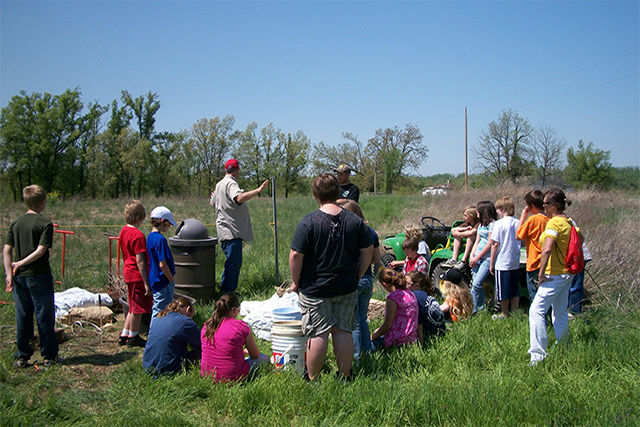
<point x="609" y="221"/>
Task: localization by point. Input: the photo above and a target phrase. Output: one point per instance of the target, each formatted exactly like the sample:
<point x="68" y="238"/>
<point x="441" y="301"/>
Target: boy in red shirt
<point x="414" y="261"/>
<point x="135" y="273"/>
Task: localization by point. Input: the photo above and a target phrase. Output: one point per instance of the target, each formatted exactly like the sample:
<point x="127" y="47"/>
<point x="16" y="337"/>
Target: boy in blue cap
<point x="161" y="266"/>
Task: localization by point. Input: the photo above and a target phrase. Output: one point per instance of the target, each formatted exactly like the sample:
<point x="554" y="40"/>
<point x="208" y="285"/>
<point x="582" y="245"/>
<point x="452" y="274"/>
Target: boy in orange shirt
<point x="532" y="223"/>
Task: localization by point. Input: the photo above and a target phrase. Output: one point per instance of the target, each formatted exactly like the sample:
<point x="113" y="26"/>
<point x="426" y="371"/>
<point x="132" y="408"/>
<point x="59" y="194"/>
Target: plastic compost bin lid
<point x="192" y="232"/>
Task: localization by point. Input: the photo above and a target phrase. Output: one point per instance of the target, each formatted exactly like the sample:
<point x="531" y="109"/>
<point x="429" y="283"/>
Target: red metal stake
<point x="64" y="245"/>
<point x="112" y="237"/>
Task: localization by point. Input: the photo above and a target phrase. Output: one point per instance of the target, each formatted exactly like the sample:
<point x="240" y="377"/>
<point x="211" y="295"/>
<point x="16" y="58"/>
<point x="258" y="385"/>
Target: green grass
<point x="476" y="374"/>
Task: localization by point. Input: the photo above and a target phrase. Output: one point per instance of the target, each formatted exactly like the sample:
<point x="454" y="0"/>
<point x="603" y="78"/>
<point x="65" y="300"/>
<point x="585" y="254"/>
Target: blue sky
<point x="330" y="67"/>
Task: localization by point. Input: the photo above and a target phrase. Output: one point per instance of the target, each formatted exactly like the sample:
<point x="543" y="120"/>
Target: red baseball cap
<point x="231" y="164"/>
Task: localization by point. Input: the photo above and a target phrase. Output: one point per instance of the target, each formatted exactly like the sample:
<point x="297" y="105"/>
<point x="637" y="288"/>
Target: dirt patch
<point x="86" y="356"/>
<point x="376" y="309"/>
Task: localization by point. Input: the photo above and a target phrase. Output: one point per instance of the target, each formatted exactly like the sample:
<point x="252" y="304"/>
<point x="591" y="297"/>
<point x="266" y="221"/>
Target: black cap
<point x="452" y="275"/>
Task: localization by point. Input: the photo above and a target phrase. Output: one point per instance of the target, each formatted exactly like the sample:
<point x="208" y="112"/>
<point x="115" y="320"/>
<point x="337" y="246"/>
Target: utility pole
<point x="466" y="160"/>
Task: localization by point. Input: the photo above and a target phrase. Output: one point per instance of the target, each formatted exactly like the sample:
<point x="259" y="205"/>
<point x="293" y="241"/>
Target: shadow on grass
<point x="99" y="359"/>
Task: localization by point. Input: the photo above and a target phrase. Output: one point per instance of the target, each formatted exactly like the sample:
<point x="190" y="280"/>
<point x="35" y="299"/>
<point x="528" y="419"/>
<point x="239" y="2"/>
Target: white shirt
<point x="504" y="232"/>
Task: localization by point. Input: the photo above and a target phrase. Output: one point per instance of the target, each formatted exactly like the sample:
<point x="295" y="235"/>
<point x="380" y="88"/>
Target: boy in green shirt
<point x="30" y="279"/>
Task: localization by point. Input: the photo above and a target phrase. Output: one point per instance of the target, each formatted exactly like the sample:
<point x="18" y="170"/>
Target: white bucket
<point x="288" y="345"/>
<point x="284" y="314"/>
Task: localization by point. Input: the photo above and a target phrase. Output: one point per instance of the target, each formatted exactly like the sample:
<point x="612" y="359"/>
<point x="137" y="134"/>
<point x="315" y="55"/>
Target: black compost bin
<point x="194" y="254"/>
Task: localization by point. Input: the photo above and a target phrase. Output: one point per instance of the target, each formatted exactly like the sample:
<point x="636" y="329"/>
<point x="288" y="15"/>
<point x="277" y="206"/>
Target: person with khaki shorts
<point x="330" y="251"/>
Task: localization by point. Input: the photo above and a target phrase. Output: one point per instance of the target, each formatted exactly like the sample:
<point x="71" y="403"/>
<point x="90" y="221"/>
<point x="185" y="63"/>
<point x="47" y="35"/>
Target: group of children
<point x="412" y="314"/>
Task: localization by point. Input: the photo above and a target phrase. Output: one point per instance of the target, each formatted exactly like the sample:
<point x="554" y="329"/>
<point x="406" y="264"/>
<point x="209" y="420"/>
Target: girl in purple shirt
<point x="401" y="314"/>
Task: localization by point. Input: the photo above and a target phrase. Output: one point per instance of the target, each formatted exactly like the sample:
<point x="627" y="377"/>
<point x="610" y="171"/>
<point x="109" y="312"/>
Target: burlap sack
<point x="94" y="314"/>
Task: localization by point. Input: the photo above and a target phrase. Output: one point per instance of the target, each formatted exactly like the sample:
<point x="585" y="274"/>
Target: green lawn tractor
<point x="437" y="236"/>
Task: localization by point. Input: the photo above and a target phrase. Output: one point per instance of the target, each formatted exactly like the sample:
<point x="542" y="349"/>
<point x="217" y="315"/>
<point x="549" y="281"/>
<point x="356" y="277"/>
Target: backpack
<point x="575" y="257"/>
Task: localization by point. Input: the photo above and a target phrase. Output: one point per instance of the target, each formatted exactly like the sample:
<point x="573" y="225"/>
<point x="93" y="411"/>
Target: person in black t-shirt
<point x="348" y="191"/>
<point x="330" y="251"/>
<point x="28" y="275"/>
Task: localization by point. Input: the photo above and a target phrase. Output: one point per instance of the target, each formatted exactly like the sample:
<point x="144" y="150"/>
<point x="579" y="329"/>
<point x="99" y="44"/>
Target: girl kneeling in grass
<point x="401" y="314"/>
<point x="225" y="340"/>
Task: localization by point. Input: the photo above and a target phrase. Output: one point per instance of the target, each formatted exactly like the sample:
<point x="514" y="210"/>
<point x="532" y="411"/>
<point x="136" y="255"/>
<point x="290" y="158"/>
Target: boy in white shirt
<point x="505" y="257"/>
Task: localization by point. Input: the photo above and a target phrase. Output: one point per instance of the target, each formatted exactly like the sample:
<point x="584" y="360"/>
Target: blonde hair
<point x="134" y="212"/>
<point x="463" y="295"/>
<point x="175" y="306"/>
<point x="411" y="231"/>
<point x="33" y="196"/>
<point x="472" y="211"/>
<point x="506" y="205"/>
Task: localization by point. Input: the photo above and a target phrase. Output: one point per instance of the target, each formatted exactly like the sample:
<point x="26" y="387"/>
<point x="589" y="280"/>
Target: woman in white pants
<point x="554" y="280"/>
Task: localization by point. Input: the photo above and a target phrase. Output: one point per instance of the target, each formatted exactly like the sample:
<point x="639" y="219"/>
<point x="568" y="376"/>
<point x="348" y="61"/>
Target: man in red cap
<point x="233" y="223"/>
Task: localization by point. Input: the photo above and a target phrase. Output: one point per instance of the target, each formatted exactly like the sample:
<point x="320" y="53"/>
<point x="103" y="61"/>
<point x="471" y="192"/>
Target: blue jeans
<point x="35" y="295"/>
<point x="480" y="271"/>
<point x="162" y="298"/>
<point x="532" y="284"/>
<point x="362" y="335"/>
<point x="233" y="251"/>
<point x="576" y="293"/>
<point x="254" y="365"/>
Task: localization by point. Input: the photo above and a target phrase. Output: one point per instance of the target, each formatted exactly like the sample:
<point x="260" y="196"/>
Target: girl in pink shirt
<point x="401" y="314"/>
<point x="225" y="340"/>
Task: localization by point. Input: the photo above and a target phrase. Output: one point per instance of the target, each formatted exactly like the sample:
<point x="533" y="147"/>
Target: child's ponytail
<point x="175" y="306"/>
<point x="222" y="308"/>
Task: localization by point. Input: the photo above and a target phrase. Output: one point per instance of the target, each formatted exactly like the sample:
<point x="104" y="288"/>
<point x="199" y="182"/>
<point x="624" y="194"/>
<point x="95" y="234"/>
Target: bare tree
<point x="548" y="151"/>
<point x="396" y="150"/>
<point x="505" y="146"/>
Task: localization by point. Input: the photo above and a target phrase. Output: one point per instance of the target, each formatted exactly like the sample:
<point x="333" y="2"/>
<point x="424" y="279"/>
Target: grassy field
<point x="476" y="374"/>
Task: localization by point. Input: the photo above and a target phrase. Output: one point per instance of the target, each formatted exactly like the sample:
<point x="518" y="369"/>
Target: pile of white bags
<point x="77" y="297"/>
<point x="259" y="314"/>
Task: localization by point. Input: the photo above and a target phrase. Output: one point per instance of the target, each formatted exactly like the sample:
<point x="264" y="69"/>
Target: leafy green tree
<point x="40" y="135"/>
<point x="109" y="164"/>
<point x="588" y="167"/>
<point x="144" y="109"/>
<point x="396" y="151"/>
<point x="295" y="150"/>
<point x="211" y="141"/>
<point x="165" y="174"/>
<point x="254" y="151"/>
<point x="505" y="147"/>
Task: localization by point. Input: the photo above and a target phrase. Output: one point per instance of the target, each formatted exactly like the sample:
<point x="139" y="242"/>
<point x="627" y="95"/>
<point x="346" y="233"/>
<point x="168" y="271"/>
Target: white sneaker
<point x="449" y="263"/>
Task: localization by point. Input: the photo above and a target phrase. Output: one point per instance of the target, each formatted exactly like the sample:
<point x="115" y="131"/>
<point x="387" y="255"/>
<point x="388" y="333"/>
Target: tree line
<point x="115" y="150"/>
